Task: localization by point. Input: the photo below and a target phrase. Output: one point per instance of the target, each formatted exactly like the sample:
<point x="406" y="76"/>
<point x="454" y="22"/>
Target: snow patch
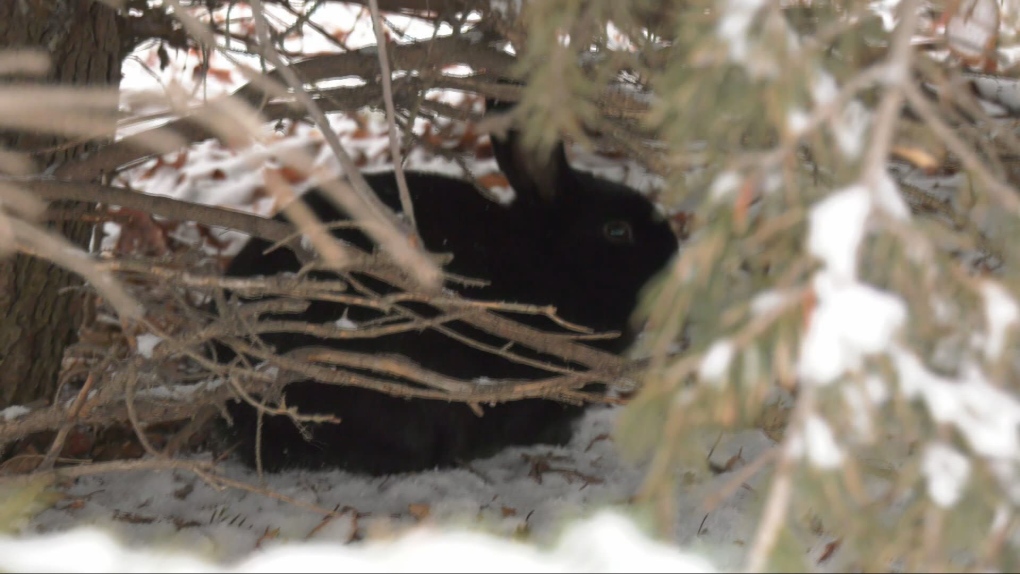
<point x="735" y="26"/>
<point x="146" y="343"/>
<point x="837" y="225"/>
<point x="180" y="392"/>
<point x="716" y="361"/>
<point x="986" y="416"/>
<point x="947" y="472"/>
<point x="972" y="28"/>
<point x="888" y="197"/>
<point x="604" y="543"/>
<point x="725" y="185"/>
<point x="506" y="8"/>
<point x="345" y="323"/>
<point x="824" y="89"/>
<point x="876" y="389"/>
<point x="851" y="321"/>
<point x="849" y="127"/>
<point x="768" y="302"/>
<point x="1001" y="313"/>
<point x="797" y="122"/>
<point x="820" y="444"/>
<point x="11" y="413"/>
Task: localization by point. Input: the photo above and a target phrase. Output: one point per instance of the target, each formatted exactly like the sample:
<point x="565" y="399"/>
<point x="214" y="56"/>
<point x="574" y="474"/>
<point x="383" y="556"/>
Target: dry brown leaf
<point x="419" y="511"/>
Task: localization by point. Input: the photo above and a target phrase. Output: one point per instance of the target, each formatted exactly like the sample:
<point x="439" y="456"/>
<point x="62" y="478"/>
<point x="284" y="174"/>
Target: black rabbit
<point x="583" y="244"/>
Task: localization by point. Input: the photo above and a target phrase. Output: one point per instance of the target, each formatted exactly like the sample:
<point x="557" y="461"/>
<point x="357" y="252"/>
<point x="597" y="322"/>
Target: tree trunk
<point x="39" y="310"/>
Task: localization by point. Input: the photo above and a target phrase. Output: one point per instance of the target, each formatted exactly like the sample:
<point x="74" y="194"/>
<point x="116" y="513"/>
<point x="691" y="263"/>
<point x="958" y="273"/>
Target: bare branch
<point x="391" y="114"/>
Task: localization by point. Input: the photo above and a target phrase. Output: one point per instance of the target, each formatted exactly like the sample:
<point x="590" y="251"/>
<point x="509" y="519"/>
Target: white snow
<point x="821" y="447"/>
<point x="824" y="89"/>
<point x="985" y="415"/>
<point x="876" y="389"/>
<point x="179" y="392"/>
<point x="11" y="413"/>
<point x="606" y="542"/>
<point x="506" y="8"/>
<point x="888" y="198"/>
<point x="529" y="493"/>
<point x="716" y="362"/>
<point x="837" y="225"/>
<point x="1001" y="314"/>
<point x="142" y="71"/>
<point x="946" y="471"/>
<point x="816" y="442"/>
<point x="88" y="550"/>
<point x="797" y="122"/>
<point x="724" y="185"/>
<point x="849" y="127"/>
<point x="852" y="319"/>
<point x="850" y="322"/>
<point x="972" y="28"/>
<point x="886" y="10"/>
<point x="345" y="323"/>
<point x="734" y="26"/>
<point x="1002" y="91"/>
<point x="850" y="124"/>
<point x="769" y="301"/>
<point x="146" y="343"/>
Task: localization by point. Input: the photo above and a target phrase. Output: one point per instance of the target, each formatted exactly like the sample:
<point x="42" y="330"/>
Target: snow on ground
<point x="506" y="495"/>
<point x="605" y="543"/>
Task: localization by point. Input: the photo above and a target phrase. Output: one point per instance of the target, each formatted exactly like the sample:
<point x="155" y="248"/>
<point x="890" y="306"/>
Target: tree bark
<point x="39" y="310"/>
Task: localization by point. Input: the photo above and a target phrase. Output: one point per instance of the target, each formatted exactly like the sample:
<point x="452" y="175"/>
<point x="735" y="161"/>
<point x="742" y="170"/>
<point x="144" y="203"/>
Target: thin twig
<point x="391" y="114"/>
<point x="93" y="468"/>
<point x="72" y="414"/>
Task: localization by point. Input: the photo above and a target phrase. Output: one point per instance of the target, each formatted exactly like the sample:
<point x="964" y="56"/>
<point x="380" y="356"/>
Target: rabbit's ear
<point x="534" y="177"/>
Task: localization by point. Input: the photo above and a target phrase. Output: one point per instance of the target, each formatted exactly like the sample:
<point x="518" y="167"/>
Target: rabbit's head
<point x="599" y="242"/>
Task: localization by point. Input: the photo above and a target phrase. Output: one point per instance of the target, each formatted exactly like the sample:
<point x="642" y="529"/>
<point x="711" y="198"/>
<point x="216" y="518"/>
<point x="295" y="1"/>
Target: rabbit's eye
<point x="618" y="232"/>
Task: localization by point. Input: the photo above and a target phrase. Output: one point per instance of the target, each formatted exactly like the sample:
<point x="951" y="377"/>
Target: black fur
<point x="550" y="246"/>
